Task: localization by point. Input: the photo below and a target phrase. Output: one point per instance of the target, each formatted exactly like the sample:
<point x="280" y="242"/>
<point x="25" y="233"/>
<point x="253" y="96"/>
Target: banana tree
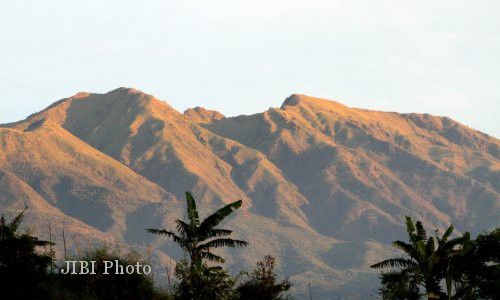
<point x="427" y="258"/>
<point x="198" y="238"/>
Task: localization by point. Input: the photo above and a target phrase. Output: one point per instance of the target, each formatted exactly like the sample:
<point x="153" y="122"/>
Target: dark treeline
<point x="432" y="267"/>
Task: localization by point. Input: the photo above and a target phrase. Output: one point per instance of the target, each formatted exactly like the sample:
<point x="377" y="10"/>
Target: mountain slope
<point x="375" y="165"/>
<point x="54" y="172"/>
<point x="325" y="187"/>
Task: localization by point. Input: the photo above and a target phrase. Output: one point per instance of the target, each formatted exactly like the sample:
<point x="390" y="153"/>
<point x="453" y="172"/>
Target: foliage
<point x="475" y="273"/>
<point x="107" y="286"/>
<point x="468" y="268"/>
<point x="398" y="286"/>
<point x="197" y="238"/>
<point x="26" y="271"/>
<point x="203" y="282"/>
<point x="23" y="268"/>
<point x="262" y="283"/>
<point x="428" y="257"/>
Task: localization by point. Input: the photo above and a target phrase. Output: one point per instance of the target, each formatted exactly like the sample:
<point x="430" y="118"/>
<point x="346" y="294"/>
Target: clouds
<point x="422" y="56"/>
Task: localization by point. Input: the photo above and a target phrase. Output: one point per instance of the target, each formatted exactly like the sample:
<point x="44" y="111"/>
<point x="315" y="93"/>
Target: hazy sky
<point x="242" y="57"/>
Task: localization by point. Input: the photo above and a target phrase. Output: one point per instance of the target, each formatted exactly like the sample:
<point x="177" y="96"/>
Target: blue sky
<point x="242" y="57"/>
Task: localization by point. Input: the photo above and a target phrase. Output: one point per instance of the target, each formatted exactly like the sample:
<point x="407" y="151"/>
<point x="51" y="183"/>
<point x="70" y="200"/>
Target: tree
<point x="203" y="283"/>
<point x="198" y="238"/>
<point x="262" y="283"/>
<point x="398" y="286"/>
<point x="475" y="273"/>
<point x="23" y="269"/>
<point x="428" y="258"/>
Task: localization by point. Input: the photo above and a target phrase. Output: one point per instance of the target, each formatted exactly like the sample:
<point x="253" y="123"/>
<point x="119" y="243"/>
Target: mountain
<point x="325" y="187"/>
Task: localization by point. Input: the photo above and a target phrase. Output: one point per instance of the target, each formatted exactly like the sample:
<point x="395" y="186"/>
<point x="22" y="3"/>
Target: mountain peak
<point x="202" y="115"/>
<point x="293" y="100"/>
<point x="80" y="95"/>
<point x="300" y="99"/>
<point x="125" y="90"/>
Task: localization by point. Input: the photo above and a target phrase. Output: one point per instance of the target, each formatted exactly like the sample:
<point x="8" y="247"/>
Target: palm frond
<point x="222" y="243"/>
<point x="410" y="227"/>
<point x="405" y="247"/>
<point x="421" y="233"/>
<point x="421" y="249"/>
<point x="194" y="219"/>
<point x="174" y="236"/>
<point x="430" y="247"/>
<point x="467" y="244"/>
<point x="449" y="245"/>
<point x="447" y="234"/>
<point x="184" y="228"/>
<point x="14" y="224"/>
<point x="158" y="231"/>
<point x="395" y="263"/>
<point x="212" y="257"/>
<point x="218" y="232"/>
<point x="214" y="219"/>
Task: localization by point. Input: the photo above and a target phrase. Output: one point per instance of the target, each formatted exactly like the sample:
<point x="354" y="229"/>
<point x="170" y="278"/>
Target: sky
<point x="242" y="57"/>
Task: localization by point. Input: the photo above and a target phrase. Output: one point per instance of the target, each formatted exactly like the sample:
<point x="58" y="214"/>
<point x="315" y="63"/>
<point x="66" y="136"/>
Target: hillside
<point x="325" y="187"/>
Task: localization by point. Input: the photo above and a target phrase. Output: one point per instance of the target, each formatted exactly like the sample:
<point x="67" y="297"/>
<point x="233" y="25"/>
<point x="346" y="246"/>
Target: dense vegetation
<point x="436" y="267"/>
<point x="443" y="268"/>
<point x="106" y="286"/>
<point x="28" y="271"/>
<point x="23" y="271"/>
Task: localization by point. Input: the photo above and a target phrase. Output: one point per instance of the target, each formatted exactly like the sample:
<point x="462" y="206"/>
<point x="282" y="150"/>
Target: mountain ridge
<point x="315" y="176"/>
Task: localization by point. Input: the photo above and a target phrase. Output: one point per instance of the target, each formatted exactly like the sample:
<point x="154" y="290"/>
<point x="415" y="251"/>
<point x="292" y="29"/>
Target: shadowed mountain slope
<point x="373" y="167"/>
<point x="325" y="187"/>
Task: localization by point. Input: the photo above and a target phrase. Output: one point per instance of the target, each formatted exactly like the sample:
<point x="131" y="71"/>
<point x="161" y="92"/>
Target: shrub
<point x="108" y="286"/>
<point x="263" y="284"/>
<point x="207" y="283"/>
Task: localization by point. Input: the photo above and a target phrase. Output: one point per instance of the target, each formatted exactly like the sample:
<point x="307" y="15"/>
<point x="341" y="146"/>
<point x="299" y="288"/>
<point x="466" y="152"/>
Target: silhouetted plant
<point x="398" y="286"/>
<point x="475" y="273"/>
<point x="263" y="283"/>
<point x="197" y="238"/>
<point x="107" y="286"/>
<point x="23" y="268"/>
<point x="428" y="258"/>
<point x="203" y="283"/>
